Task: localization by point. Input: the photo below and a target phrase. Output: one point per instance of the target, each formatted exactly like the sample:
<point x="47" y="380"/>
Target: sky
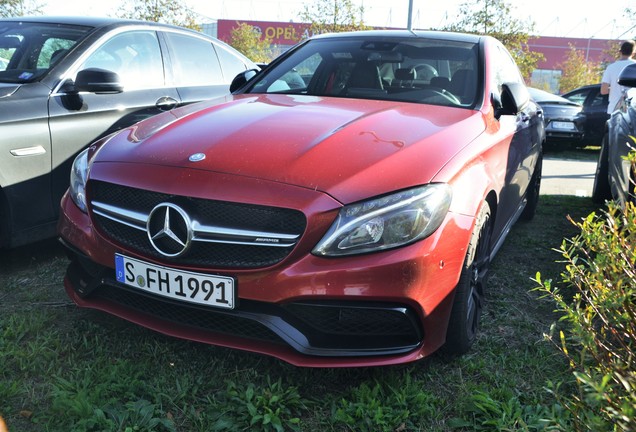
<point x="600" y="19"/>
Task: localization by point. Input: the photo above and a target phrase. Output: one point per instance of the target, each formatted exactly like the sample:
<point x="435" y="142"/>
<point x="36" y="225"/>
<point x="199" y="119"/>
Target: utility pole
<point x="410" y="19"/>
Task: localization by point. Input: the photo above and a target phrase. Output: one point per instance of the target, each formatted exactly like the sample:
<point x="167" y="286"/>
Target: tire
<point x="601" y="190"/>
<point x="532" y="194"/>
<point x="469" y="293"/>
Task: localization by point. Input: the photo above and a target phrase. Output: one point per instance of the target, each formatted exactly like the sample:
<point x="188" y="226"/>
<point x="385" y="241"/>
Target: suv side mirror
<point x="241" y="79"/>
<point x="98" y="81"/>
<point x="627" y="77"/>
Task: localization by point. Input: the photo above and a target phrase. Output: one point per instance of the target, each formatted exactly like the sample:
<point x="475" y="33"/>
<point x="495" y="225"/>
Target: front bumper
<point x="377" y="309"/>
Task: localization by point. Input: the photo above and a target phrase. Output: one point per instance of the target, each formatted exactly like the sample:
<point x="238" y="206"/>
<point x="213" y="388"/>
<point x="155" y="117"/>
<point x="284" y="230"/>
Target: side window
<point x="135" y="56"/>
<point x="578" y="97"/>
<point x="599" y="100"/>
<point x="230" y="64"/>
<point x="194" y="61"/>
<point x="8" y="46"/>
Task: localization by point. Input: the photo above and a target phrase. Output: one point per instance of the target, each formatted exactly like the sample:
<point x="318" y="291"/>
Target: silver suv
<point x="65" y="82"/>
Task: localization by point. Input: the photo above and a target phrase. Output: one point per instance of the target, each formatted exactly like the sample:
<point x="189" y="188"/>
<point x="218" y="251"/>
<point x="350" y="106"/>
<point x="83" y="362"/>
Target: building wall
<point x="555" y="51"/>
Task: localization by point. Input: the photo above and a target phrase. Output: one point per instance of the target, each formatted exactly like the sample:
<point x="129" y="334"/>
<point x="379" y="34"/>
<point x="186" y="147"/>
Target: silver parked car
<point x="65" y="82"/>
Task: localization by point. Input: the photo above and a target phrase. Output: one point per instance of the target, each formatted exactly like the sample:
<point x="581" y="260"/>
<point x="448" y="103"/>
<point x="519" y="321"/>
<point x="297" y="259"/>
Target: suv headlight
<point x="79" y="175"/>
<point x="387" y="222"/>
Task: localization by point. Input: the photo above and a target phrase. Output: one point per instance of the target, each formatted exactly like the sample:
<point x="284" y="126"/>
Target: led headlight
<point x="79" y="175"/>
<point x="81" y="168"/>
<point x="387" y="222"/>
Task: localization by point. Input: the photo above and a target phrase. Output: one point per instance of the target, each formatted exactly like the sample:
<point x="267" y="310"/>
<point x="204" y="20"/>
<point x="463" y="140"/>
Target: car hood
<point x="350" y="149"/>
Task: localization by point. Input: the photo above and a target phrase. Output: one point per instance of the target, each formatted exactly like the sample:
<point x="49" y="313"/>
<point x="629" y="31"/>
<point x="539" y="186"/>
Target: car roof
<point x="585" y="87"/>
<point x="425" y="34"/>
<point x="542" y="96"/>
<point x="83" y="21"/>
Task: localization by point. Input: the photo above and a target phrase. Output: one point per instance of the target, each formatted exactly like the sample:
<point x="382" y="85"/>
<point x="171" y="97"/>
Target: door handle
<point x="166" y="103"/>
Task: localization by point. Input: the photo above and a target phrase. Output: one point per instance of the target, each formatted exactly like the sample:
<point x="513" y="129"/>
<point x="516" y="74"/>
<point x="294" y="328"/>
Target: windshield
<point x="30" y="50"/>
<point x="419" y="70"/>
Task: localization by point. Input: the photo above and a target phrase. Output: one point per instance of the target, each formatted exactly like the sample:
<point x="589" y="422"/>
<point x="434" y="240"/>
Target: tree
<point x="577" y="72"/>
<point x="494" y="18"/>
<point x="10" y="8"/>
<point x="174" y="12"/>
<point x="333" y="16"/>
<point x="247" y="40"/>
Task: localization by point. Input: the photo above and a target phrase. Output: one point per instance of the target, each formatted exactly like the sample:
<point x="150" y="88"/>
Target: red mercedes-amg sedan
<point x="340" y="208"/>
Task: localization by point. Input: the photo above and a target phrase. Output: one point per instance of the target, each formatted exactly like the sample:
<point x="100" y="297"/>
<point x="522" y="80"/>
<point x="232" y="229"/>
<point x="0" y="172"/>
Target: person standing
<point x="609" y="82"/>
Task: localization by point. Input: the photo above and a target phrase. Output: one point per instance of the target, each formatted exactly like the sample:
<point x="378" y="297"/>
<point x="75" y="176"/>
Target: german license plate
<point x="563" y="125"/>
<point x="217" y="291"/>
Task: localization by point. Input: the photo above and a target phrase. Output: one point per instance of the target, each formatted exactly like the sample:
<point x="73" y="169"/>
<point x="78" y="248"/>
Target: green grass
<point x="65" y="368"/>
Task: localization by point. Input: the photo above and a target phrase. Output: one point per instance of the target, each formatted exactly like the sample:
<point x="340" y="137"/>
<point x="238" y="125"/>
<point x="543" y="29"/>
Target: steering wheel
<point x="425" y="72"/>
<point x="445" y="93"/>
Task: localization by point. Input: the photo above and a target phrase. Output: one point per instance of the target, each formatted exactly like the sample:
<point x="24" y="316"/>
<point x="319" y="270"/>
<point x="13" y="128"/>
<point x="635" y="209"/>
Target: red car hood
<point x="350" y="149"/>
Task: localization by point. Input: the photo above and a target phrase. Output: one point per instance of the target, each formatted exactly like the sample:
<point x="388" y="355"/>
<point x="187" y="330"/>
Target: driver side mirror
<point x="514" y="98"/>
<point x="242" y="78"/>
<point x="99" y="81"/>
<point x="627" y="77"/>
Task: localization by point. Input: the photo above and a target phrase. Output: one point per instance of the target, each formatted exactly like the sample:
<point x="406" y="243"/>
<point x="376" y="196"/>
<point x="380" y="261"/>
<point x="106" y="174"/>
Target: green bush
<point x="597" y="331"/>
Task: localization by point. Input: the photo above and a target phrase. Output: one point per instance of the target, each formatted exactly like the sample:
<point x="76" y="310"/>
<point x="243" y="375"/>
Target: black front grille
<point x="351" y="320"/>
<point x="328" y="329"/>
<point x="189" y="315"/>
<point x="210" y="212"/>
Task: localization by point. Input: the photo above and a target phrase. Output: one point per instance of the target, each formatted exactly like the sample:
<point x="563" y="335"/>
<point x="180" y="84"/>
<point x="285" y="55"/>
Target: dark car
<point x="65" y="82"/>
<point x="594" y="111"/>
<point x="339" y="209"/>
<point x="615" y="176"/>
<point x="563" y="118"/>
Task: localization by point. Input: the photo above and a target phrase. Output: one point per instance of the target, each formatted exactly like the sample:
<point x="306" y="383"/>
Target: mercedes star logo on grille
<point x="169" y="229"/>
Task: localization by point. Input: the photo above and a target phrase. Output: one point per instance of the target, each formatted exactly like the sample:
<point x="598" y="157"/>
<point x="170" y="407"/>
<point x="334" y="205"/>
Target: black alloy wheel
<point x="534" y="190"/>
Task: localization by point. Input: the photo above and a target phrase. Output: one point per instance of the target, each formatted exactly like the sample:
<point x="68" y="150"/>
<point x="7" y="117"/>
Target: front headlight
<point x="387" y="222"/>
<point x="79" y="175"/>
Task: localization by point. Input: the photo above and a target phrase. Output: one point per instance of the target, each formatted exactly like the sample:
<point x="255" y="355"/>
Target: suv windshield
<point x="432" y="71"/>
<point x="29" y="50"/>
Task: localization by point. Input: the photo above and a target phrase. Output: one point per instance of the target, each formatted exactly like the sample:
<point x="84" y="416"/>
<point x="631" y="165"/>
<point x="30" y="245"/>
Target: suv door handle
<point x="166" y="103"/>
